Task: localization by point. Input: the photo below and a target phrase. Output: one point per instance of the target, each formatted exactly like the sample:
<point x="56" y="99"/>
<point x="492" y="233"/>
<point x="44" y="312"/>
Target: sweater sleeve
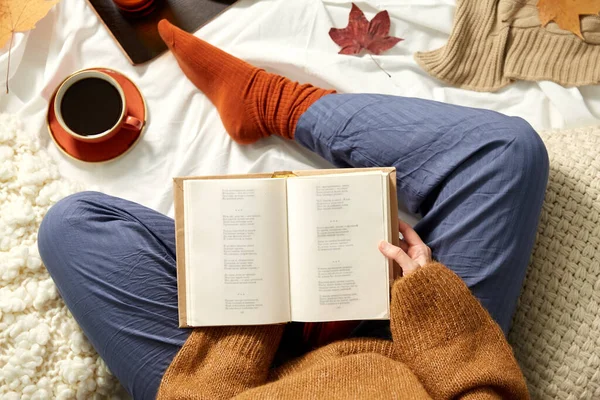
<point x="449" y="340"/>
<point x="221" y="361"/>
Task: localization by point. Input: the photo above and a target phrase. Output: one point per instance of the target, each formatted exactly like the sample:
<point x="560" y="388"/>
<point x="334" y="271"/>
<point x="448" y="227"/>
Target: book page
<point x="236" y="252"/>
<point x="335" y="224"/>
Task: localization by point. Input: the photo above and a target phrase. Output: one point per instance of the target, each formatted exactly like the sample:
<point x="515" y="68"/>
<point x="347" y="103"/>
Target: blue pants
<point x="477" y="177"/>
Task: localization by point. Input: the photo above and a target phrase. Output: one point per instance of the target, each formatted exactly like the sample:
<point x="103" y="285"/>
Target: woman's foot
<point x="252" y="103"/>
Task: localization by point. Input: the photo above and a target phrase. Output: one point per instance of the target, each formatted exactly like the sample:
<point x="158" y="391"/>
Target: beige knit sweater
<point x="445" y="346"/>
<point x="494" y="42"/>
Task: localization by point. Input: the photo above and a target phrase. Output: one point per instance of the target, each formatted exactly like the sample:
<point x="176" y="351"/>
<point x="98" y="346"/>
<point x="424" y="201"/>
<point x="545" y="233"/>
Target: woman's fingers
<point x="397" y="254"/>
<point x="412" y="253"/>
<point x="403" y="245"/>
<point x="411" y="237"/>
<point x="421" y="254"/>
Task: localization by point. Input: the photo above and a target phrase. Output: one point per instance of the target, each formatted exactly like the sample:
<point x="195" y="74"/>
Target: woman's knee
<point x="531" y="154"/>
<point x="523" y="153"/>
<point x="57" y="228"/>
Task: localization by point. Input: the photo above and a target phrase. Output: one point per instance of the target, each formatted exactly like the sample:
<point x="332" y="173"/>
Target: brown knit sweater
<point x="494" y="42"/>
<point x="445" y="345"/>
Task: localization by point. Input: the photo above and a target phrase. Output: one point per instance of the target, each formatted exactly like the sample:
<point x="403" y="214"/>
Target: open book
<point x="295" y="246"/>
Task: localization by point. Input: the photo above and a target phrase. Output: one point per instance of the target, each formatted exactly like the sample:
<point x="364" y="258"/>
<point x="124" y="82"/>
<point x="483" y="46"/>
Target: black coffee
<point x="91" y="106"/>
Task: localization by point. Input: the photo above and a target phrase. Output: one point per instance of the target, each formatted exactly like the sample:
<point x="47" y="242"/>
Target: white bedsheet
<point x="185" y="135"/>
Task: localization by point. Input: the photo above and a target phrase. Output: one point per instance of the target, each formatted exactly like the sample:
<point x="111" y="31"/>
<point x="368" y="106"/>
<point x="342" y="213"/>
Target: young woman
<point x="477" y="178"/>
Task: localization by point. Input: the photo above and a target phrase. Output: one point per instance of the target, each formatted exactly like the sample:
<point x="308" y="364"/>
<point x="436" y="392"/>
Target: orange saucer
<point x="112" y="148"/>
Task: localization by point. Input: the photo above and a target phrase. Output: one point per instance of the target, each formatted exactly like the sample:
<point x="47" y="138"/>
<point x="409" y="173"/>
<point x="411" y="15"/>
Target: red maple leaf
<point x="361" y="34"/>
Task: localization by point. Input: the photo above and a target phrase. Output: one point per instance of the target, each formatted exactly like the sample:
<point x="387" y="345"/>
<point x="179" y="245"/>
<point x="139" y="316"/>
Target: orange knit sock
<point x="252" y="103"/>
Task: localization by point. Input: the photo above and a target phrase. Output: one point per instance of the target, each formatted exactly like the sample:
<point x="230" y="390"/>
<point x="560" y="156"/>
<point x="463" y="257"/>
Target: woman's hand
<point x="412" y="253"/>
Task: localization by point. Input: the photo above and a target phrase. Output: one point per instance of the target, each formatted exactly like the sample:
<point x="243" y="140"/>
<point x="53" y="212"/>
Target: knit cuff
<point x="536" y="54"/>
<point x="256" y="343"/>
<point x="473" y="57"/>
<point x="431" y="307"/>
<point x="226" y="359"/>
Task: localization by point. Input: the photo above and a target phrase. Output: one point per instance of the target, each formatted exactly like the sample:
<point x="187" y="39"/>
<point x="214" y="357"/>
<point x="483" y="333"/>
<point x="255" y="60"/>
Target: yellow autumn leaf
<point x="566" y="13"/>
<point x="20" y="16"/>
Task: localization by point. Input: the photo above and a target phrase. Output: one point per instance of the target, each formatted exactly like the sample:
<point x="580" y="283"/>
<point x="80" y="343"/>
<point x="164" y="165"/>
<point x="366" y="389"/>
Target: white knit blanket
<point x="43" y="353"/>
<point x="556" y="332"/>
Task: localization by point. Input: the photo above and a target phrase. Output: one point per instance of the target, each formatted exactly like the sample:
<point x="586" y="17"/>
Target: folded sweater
<point x="494" y="42"/>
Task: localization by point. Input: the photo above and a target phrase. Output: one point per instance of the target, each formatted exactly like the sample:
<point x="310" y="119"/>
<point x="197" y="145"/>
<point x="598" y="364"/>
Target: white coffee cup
<point x="124" y="121"/>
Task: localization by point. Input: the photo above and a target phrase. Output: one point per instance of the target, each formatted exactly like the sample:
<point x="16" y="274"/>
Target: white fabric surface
<point x="184" y="134"/>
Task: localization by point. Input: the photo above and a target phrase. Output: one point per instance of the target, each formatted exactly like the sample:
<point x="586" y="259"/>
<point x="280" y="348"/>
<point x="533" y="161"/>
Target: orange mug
<point x="134" y="6"/>
<point x="92" y="111"/>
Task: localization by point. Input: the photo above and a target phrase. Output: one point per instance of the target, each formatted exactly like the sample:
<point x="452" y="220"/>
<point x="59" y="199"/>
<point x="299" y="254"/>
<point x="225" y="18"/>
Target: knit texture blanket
<point x="43" y="353"/>
<point x="556" y="331"/>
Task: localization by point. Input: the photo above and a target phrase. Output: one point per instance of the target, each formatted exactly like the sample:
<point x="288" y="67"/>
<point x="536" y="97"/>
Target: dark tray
<point x="138" y="36"/>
